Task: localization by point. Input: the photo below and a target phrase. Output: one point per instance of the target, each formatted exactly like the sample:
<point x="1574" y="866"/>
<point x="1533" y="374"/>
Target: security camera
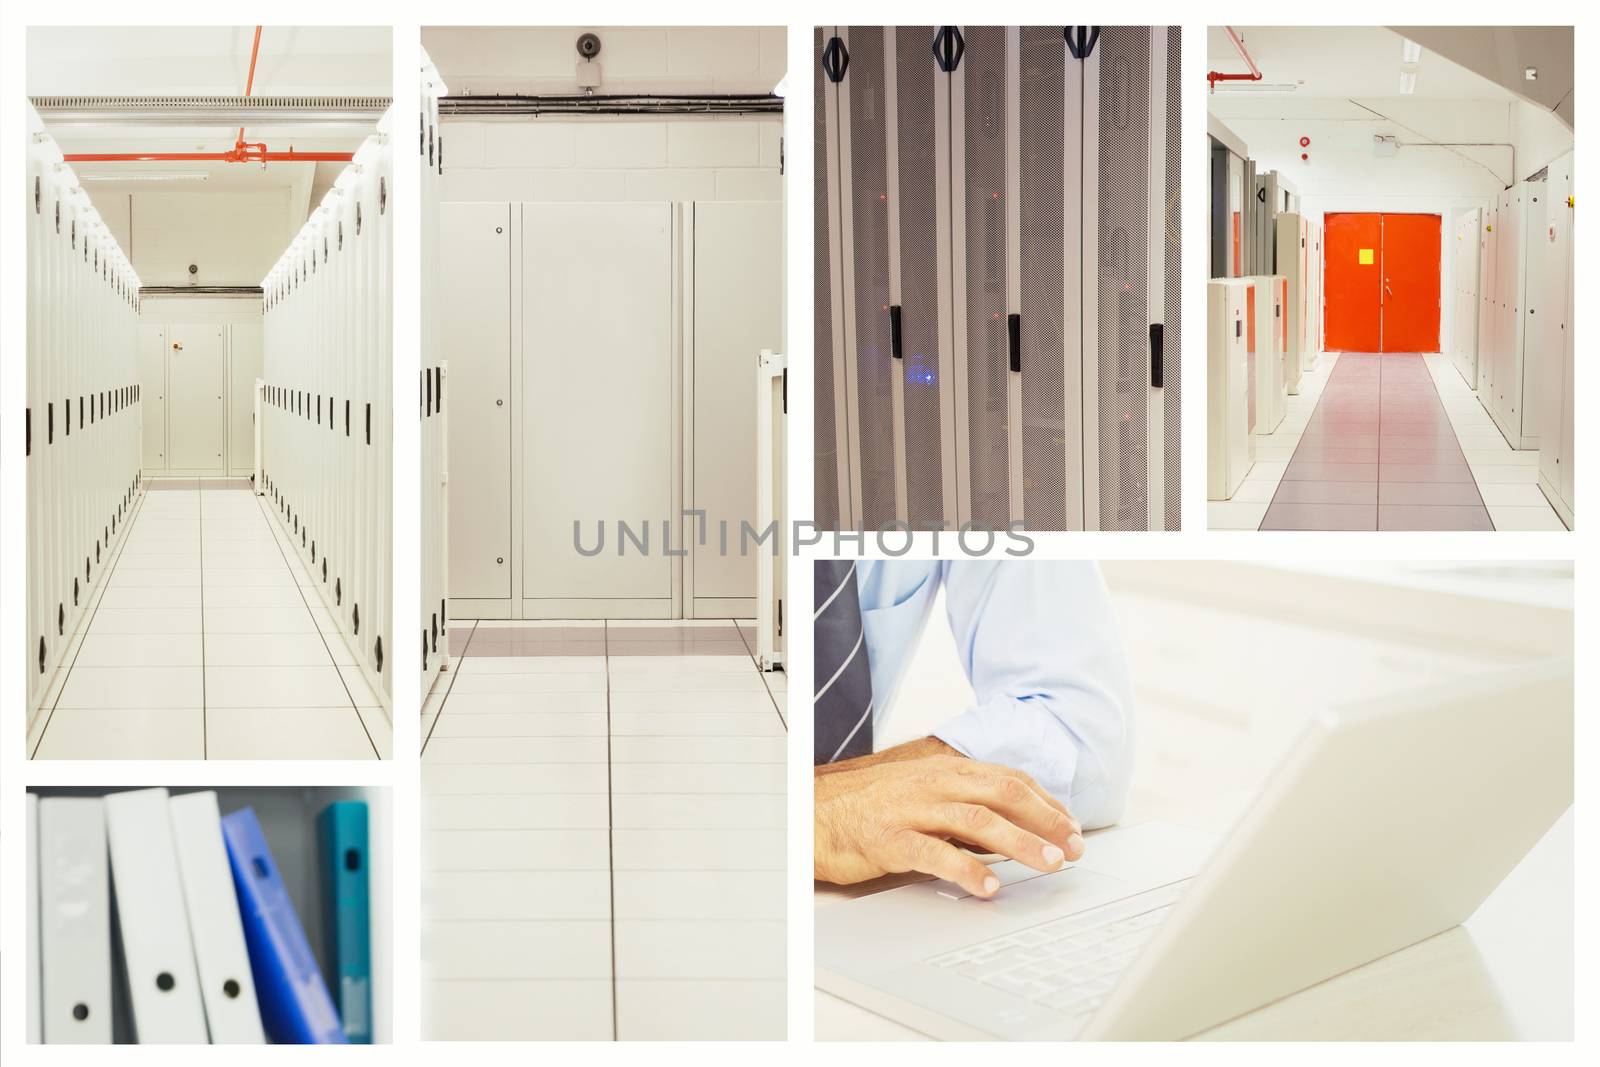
<point x="589" y="45"/>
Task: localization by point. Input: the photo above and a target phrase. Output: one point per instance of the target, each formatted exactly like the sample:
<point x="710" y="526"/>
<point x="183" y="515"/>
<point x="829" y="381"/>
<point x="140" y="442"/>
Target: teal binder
<point x="346" y="888"/>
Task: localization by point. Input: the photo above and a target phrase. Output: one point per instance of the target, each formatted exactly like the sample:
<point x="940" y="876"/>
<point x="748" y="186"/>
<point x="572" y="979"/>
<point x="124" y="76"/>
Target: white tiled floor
<point x="203" y="644"/>
<point x="1507" y="478"/>
<point x="603" y="838"/>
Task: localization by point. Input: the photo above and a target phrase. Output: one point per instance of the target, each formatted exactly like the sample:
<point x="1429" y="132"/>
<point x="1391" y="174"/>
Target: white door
<point x="244" y="367"/>
<point x="597" y="351"/>
<point x="475" y="337"/>
<point x="738" y="311"/>
<point x="153" y="392"/>
<point x="195" y="376"/>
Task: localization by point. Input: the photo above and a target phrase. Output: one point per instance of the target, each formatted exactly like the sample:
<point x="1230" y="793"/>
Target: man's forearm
<point x="918" y="749"/>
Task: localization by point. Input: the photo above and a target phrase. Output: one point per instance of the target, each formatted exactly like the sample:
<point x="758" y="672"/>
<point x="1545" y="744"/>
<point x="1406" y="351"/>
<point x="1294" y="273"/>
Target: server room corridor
<point x="1390" y="310"/>
<point x="209" y="393"/>
<point x="207" y="642"/>
<point x="603" y="821"/>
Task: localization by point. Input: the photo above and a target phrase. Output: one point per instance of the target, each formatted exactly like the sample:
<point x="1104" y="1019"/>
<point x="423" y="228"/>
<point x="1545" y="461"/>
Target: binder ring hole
<point x="80" y="1012"/>
<point x="164" y="981"/>
<point x="230" y="989"/>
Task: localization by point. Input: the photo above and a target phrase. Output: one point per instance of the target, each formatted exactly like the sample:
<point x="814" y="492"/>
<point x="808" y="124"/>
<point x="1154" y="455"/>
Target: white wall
<point x="1540" y="137"/>
<point x="234" y="238"/>
<point x="651" y="59"/>
<point x="605" y="159"/>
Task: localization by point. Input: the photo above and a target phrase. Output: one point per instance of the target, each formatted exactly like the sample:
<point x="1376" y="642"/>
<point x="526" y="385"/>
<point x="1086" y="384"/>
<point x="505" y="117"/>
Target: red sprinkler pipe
<point x="1215" y="76"/>
<point x="241" y="152"/>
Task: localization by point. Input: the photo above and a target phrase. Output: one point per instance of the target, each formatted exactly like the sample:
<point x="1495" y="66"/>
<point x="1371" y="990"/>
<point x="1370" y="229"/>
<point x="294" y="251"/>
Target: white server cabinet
<point x="738" y="313"/>
<point x="1313" y="331"/>
<point x="1229" y="174"/>
<point x="999" y="275"/>
<point x="1266" y="332"/>
<point x="771" y="471"/>
<point x="1513" y="310"/>
<point x="327" y="412"/>
<point x="433" y="500"/>
<point x="81" y="418"/>
<point x="1294" y="265"/>
<point x="1229" y="447"/>
<point x="575" y="423"/>
<point x="244" y="367"/>
<point x="1464" y="305"/>
<point x="1488" y="300"/>
<point x="1554" y="339"/>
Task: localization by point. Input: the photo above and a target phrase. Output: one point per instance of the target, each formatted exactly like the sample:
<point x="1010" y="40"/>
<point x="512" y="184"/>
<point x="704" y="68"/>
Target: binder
<point x="162" y="984"/>
<point x="31" y="869"/>
<point x="75" y="931"/>
<point x="226" y="987"/>
<point x="295" y="1006"/>
<point x="342" y="847"/>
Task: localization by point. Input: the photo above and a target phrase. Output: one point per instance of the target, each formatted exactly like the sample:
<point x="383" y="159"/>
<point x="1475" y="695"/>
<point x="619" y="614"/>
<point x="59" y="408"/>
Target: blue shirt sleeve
<point x="1053" y="697"/>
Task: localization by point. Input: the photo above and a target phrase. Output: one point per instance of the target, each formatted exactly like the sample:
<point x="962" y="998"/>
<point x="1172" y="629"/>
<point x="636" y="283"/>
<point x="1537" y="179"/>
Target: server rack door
<point x="244" y="367"/>
<point x="1049" y="457"/>
<point x="195" y="373"/>
<point x="475" y="328"/>
<point x="979" y="169"/>
<point x="597" y="396"/>
<point x="831" y="473"/>
<point x="1171" y="282"/>
<point x="1487" y="268"/>
<point x="921" y="217"/>
<point x="738" y="310"/>
<point x="1121" y="66"/>
<point x="153" y="379"/>
<point x="865" y="208"/>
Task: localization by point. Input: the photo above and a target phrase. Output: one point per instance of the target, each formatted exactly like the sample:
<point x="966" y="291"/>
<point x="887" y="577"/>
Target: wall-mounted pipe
<point x="1215" y="76"/>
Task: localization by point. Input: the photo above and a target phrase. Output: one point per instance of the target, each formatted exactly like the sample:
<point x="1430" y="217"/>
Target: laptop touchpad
<point x="1021" y="886"/>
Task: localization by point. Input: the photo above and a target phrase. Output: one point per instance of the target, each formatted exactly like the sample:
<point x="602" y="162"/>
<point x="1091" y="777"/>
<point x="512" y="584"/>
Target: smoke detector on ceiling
<point x="1385" y="146"/>
<point x="1530" y="74"/>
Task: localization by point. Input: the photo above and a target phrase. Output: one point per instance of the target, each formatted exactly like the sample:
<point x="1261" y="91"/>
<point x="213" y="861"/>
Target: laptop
<point x="1387" y="823"/>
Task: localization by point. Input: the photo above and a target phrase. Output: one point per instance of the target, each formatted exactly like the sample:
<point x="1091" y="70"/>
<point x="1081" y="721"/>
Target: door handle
<point x="895" y="349"/>
<point x="835" y="59"/>
<point x="1014" y="341"/>
<point x="948" y="47"/>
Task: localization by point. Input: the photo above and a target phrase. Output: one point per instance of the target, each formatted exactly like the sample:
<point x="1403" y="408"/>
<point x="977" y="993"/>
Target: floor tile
<point x="491" y="779"/>
<point x="701" y="1010"/>
<point x="564" y="949"/>
<point x="701" y="895"/>
<point x="133" y="687"/>
<point x="740" y="750"/>
<point x="270" y="650"/>
<point x="276" y="687"/>
<point x="1454" y="517"/>
<point x="690" y="811"/>
<point x="1511" y="517"/>
<point x="1297" y="492"/>
<point x="1495" y="474"/>
<point x="1514" y="494"/>
<point x="1429" y="493"/>
<point x="259" y="621"/>
<point x="488" y="896"/>
<point x="146" y="621"/>
<point x="1234" y="514"/>
<point x="123" y="733"/>
<point x="516" y="850"/>
<point x="700" y="949"/>
<point x="1320" y="517"/>
<point x="138" y="650"/>
<point x="579" y="811"/>
<point x="286" y="733"/>
<point x="522" y="750"/>
<point x="719" y="850"/>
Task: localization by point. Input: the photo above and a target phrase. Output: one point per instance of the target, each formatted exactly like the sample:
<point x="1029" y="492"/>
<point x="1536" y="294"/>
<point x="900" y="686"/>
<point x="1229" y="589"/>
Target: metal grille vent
<point x="1172" y="423"/>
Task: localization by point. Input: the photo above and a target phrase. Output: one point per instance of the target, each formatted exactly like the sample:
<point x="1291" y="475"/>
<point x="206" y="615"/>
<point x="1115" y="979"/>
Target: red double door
<point x="1380" y="281"/>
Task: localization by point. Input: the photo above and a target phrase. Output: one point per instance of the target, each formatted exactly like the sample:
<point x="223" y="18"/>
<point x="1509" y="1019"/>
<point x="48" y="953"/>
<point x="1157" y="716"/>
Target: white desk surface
<point x="1220" y="695"/>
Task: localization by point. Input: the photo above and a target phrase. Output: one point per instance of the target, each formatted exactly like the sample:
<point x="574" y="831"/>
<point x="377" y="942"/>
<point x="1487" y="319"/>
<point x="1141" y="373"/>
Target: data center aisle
<point x="1387" y="442"/>
<point x="204" y="644"/>
<point x="603" y="818"/>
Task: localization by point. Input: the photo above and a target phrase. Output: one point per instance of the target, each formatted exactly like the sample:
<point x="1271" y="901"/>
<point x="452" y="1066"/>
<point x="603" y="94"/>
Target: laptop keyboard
<point x="1069" y="964"/>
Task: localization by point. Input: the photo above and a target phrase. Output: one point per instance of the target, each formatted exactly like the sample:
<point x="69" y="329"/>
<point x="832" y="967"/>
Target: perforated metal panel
<point x="1124" y="140"/>
<point x="869" y="221"/>
<point x="1041" y="161"/>
<point x="825" y="483"/>
<point x="984" y="119"/>
<point x="1172" y="280"/>
<point x="919" y="275"/>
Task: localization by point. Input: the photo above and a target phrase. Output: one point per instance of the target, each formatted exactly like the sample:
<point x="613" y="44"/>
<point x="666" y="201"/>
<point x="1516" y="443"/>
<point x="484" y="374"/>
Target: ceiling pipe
<point x="241" y="152"/>
<point x="1215" y="76"/>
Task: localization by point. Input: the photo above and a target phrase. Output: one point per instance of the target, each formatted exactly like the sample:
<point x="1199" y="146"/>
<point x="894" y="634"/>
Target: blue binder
<point x="342" y="837"/>
<point x="295" y="1006"/>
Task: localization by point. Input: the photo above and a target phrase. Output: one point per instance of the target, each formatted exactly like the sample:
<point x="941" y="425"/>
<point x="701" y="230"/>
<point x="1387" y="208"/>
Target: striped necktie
<point x="843" y="701"/>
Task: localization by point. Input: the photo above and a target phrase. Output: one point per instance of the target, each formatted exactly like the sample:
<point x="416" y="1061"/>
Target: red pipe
<point x="1215" y="76"/>
<point x="250" y="81"/>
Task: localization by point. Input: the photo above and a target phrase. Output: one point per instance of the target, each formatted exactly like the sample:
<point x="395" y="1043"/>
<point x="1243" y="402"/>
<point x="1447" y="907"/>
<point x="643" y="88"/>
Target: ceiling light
<point x="159" y="176"/>
<point x="1254" y="87"/>
<point x="1408" y="82"/>
<point x="1410" y="51"/>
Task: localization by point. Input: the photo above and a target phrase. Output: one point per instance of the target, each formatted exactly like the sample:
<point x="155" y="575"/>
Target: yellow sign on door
<point x="1365" y="257"/>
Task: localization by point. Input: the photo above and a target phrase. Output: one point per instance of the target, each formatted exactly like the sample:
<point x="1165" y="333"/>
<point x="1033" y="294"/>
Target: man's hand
<point x="900" y="810"/>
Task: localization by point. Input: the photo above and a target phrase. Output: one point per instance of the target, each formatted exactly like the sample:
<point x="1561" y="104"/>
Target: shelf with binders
<point x="193" y="915"/>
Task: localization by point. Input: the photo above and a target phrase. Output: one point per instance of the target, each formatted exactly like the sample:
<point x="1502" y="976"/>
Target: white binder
<point x="75" y="927"/>
<point x="31" y="869"/>
<point x="162" y="983"/>
<point x="225" y="983"/>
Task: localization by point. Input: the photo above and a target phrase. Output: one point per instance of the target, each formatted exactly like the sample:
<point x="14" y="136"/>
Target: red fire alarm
<point x="1305" y="142"/>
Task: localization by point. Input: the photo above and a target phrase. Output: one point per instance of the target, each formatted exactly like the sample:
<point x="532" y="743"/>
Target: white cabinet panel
<point x="475" y="340"/>
<point x="195" y="376"/>
<point x="738" y="311"/>
<point x="153" y="382"/>
<point x="597" y="328"/>
<point x="244" y="367"/>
